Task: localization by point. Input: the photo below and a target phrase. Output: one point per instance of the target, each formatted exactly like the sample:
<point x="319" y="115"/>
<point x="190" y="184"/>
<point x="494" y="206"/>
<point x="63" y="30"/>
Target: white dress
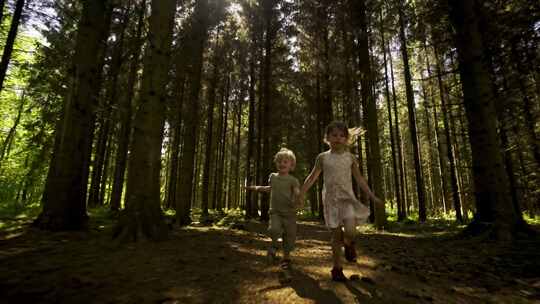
<point x="339" y="200"/>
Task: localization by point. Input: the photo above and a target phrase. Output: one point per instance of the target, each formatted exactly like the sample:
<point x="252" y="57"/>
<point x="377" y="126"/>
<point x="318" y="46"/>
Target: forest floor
<point x="227" y="263"/>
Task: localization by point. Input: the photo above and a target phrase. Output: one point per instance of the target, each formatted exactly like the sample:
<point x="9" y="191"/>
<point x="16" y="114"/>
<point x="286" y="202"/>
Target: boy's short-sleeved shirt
<point x="281" y="194"/>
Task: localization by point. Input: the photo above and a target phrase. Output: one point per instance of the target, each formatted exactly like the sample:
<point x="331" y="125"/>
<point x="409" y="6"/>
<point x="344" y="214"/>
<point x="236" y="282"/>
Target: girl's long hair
<point x="350" y="133"/>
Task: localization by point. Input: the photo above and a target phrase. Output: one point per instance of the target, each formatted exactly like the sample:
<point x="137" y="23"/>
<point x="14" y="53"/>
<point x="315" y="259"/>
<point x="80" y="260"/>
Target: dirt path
<point x="223" y="265"/>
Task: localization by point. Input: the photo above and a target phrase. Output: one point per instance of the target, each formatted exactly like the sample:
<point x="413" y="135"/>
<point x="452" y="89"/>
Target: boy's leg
<point x="274" y="230"/>
<point x="289" y="235"/>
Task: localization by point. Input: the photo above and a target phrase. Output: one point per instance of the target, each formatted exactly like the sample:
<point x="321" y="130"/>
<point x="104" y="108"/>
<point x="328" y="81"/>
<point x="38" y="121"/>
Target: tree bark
<point x="495" y="215"/>
<point x="390" y="124"/>
<point x="251" y="206"/>
<point x="191" y="122"/>
<point x="103" y="138"/>
<point x="125" y="113"/>
<point x="402" y="211"/>
<point x="210" y="128"/>
<point x="143" y="217"/>
<point x="412" y="118"/>
<point x="449" y="147"/>
<point x="370" y="112"/>
<point x="64" y="197"/>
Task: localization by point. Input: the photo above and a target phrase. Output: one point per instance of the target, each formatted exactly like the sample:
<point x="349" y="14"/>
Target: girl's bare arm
<point x="310" y="180"/>
<point x="362" y="183"/>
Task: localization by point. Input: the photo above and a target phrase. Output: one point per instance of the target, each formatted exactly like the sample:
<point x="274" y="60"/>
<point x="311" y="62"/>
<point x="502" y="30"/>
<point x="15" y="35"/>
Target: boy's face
<point x="336" y="137"/>
<point x="284" y="165"/>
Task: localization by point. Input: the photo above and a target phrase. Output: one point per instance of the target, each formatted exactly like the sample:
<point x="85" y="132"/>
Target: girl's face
<point x="336" y="138"/>
<point x="284" y="165"/>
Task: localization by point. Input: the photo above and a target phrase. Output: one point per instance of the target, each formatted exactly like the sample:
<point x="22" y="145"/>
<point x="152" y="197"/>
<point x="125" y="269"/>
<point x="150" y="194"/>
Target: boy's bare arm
<point x="259" y="188"/>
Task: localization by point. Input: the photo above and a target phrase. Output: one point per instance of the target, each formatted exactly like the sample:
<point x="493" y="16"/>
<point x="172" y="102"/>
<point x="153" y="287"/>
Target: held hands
<point x="298" y="198"/>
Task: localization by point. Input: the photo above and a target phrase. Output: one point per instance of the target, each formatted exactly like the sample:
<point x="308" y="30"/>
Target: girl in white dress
<point x="341" y="207"/>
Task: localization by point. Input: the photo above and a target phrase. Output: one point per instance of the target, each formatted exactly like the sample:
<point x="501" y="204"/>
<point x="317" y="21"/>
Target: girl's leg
<point x="348" y="240"/>
<point x="350" y="231"/>
<point x="337" y="270"/>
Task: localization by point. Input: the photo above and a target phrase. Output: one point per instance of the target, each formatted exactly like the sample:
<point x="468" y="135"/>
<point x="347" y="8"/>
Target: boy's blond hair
<point x="285" y="153"/>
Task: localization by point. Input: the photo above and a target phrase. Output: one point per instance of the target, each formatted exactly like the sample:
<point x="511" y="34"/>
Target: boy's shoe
<point x="350" y="252"/>
<point x="337" y="274"/>
<point x="286" y="264"/>
<point x="272" y="256"/>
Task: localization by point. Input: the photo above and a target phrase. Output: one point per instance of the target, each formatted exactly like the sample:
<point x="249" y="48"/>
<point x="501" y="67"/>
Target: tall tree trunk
<point x="176" y="123"/>
<point x="390" y="124"/>
<point x="223" y="148"/>
<point x="106" y="114"/>
<point x="191" y="121"/>
<point x="10" y="41"/>
<point x="402" y="212"/>
<point x="412" y="117"/>
<point x="64" y="197"/>
<point x="251" y="205"/>
<point x="495" y="214"/>
<point x="442" y="163"/>
<point x="125" y="113"/>
<point x="370" y="112"/>
<point x="143" y="217"/>
<point x="209" y="129"/>
<point x="270" y="33"/>
<point x="430" y="169"/>
<point x="449" y="147"/>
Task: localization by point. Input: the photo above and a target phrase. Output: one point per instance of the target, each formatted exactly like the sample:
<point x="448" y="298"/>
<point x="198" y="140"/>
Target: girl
<point x="341" y="207"/>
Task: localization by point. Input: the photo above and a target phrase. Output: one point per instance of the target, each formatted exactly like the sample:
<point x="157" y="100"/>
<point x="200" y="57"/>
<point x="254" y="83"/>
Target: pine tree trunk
<point x="209" y="131"/>
<point x="223" y="148"/>
<point x="106" y="111"/>
<point x="64" y="197"/>
<point x="412" y="118"/>
<point x="176" y="124"/>
<point x="390" y="124"/>
<point x="125" y="112"/>
<point x="443" y="187"/>
<point x="430" y="169"/>
<point x="270" y="32"/>
<point x="191" y="121"/>
<point x="10" y="41"/>
<point x="370" y="113"/>
<point x="449" y="147"/>
<point x="251" y="206"/>
<point x="495" y="215"/>
<point x="143" y="217"/>
<point x="97" y="164"/>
